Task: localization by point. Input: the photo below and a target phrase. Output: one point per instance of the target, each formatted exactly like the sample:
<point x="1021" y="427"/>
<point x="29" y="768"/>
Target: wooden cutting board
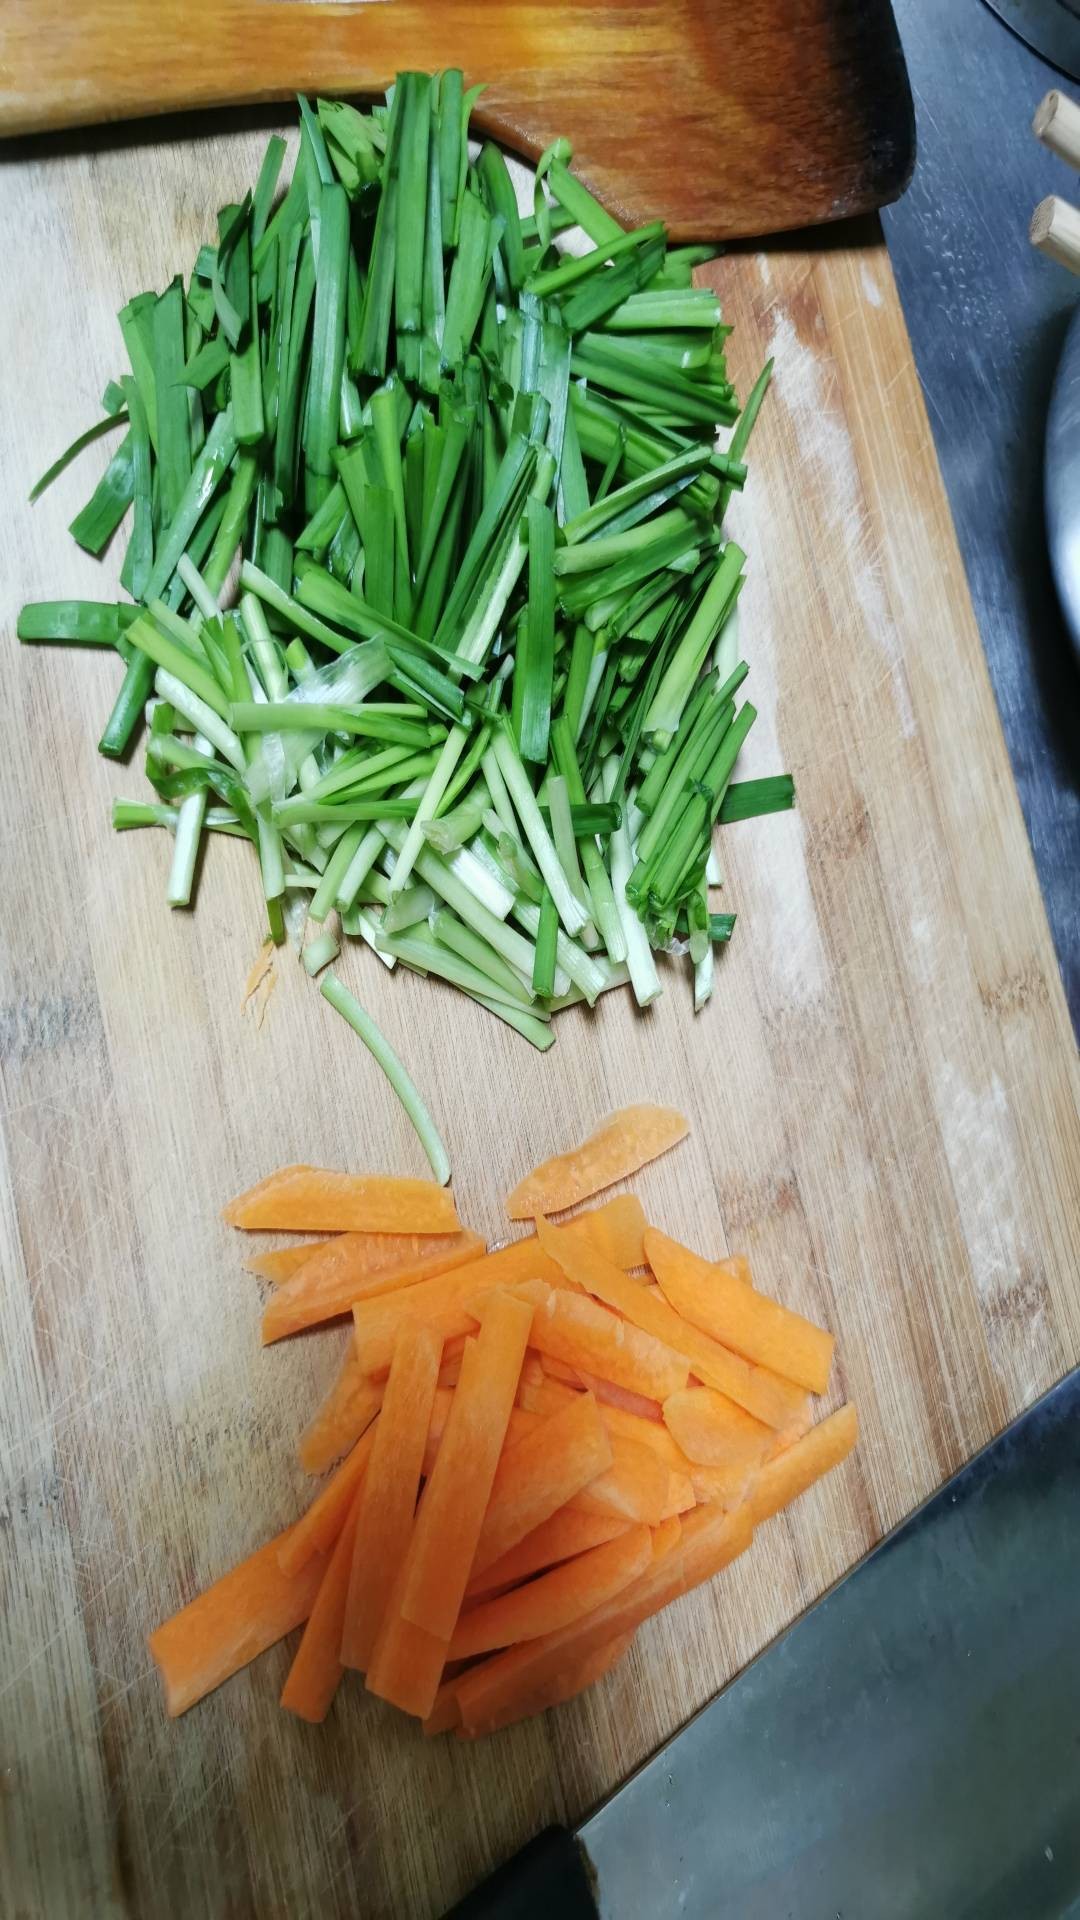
<point x="781" y="113"/>
<point x="883" y="1097"/>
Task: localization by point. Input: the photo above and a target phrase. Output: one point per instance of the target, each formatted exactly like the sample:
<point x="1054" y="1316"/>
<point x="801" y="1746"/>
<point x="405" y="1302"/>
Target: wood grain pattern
<point x="783" y="112"/>
<point x="883" y="1098"/>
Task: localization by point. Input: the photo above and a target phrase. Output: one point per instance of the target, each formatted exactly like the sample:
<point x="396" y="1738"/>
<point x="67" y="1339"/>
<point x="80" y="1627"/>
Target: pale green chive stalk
<point x="383" y="1053"/>
<point x="422" y="511"/>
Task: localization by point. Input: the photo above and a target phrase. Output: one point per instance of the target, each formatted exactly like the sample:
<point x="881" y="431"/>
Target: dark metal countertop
<point x="987" y="317"/>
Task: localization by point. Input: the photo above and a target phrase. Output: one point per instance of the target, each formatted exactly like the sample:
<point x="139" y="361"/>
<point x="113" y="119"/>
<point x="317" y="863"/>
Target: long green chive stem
<point x="383" y="1053"/>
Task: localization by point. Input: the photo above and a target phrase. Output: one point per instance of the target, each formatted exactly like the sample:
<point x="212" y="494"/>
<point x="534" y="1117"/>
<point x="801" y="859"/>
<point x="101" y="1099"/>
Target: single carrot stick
<point x="445" y="1715"/>
<point x="565" y="1534"/>
<point x="539" y="1473"/>
<point x="713" y="1431"/>
<point x="622" y="1399"/>
<point x="348" y="1409"/>
<point x="449" y="1302"/>
<point x="555" y="1599"/>
<point x="316" y="1670"/>
<point x="520" y="1423"/>
<point x="576" y="1329"/>
<point x="555" y="1692"/>
<point x="387" y="1501"/>
<point x="331" y="1283"/>
<point x="782" y="1480"/>
<point x="283" y="1262"/>
<point x="742" y="1319"/>
<point x="318" y="1528"/>
<point x="451" y="1513"/>
<point x="406" y="1664"/>
<point x="625" y="1141"/>
<point x="231" y="1623"/>
<point x="301" y="1199"/>
<point x="710" y="1540"/>
<point x="636" y="1486"/>
<point x="775" y="1401"/>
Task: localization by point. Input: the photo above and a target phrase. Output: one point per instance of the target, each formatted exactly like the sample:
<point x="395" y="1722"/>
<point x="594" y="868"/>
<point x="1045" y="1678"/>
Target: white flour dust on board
<point x="823" y="445"/>
<point x="976" y="1127"/>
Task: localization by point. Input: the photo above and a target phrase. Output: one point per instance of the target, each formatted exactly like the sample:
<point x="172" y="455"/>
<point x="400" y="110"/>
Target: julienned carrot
<point x="783" y="1479"/>
<point x="555" y="1599"/>
<point x="555" y="1692"/>
<point x="548" y="1396"/>
<point x="406" y="1663"/>
<point x="303" y="1199"/>
<point x="451" y="1513"/>
<point x="448" y="1301"/>
<point x="566" y="1533"/>
<point x="636" y="1486"/>
<point x="725" y="1487"/>
<point x="713" y="1432"/>
<point x="319" y="1527"/>
<point x="742" y="1319"/>
<point x="231" y="1623"/>
<point x="624" y="1142"/>
<point x="775" y="1401"/>
<point x="334" y="1280"/>
<point x="539" y="1473"/>
<point x="387" y="1501"/>
<point x="348" y="1409"/>
<point x="283" y="1262"/>
<point x="576" y="1329"/>
<point x="621" y="1399"/>
<point x="316" y="1671"/>
<point x="709" y="1540"/>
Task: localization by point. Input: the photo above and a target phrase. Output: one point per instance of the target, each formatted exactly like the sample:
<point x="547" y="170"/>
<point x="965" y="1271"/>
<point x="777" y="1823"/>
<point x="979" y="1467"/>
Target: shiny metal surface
<point x="1052" y="27"/>
<point x="987" y="317"/>
<point x="910" y="1749"/>
<point x="1062" y="480"/>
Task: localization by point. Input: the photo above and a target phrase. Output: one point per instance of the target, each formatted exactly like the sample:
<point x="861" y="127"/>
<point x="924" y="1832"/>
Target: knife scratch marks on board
<point x="824" y="445"/>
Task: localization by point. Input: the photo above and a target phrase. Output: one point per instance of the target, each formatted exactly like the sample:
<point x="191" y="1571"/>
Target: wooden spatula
<point x="722" y="117"/>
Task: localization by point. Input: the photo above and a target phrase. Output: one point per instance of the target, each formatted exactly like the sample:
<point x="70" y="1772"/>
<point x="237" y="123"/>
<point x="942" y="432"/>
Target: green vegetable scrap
<point x="478" y="689"/>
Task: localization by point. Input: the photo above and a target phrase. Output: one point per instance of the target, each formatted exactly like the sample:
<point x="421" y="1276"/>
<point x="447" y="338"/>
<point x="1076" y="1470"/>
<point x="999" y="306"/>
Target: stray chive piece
<point x="383" y="1053"/>
<point x="432" y="597"/>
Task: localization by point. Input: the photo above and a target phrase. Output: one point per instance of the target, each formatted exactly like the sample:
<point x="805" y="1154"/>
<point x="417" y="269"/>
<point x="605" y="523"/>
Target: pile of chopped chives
<point x="478" y="691"/>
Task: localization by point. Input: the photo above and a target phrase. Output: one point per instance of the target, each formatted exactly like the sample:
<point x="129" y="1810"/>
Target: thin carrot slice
<point x="387" y="1502"/>
<point x="622" y="1399"/>
<point x="681" y="1496"/>
<point x="549" y="1395"/>
<point x="710" y="1539"/>
<point x="559" y="1371"/>
<point x="636" y="1486"/>
<point x="575" y="1329"/>
<point x="319" y="1527"/>
<point x="617" y="1227"/>
<point x="647" y="1308"/>
<point x="283" y="1262"/>
<point x="556" y="1599"/>
<point x="555" y="1692"/>
<point x="406" y="1664"/>
<point x="713" y="1431"/>
<point x="316" y="1671"/>
<point x="450" y="1301"/>
<point x="362" y="1266"/>
<point x="231" y="1623"/>
<point x="348" y="1409"/>
<point x="565" y="1534"/>
<point x="624" y="1142"/>
<point x="666" y="1536"/>
<point x="726" y="1487"/>
<point x="742" y="1319"/>
<point x="783" y="1479"/>
<point x="301" y="1199"/>
<point x="451" y="1513"/>
<point x="539" y="1473"/>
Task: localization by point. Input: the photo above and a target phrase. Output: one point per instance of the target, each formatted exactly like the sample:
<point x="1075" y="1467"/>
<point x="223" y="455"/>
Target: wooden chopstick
<point x="1055" y="223"/>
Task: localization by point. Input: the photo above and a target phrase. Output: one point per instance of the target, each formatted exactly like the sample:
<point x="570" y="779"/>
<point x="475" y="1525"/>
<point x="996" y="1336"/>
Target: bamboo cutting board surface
<point x="883" y="1098"/>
